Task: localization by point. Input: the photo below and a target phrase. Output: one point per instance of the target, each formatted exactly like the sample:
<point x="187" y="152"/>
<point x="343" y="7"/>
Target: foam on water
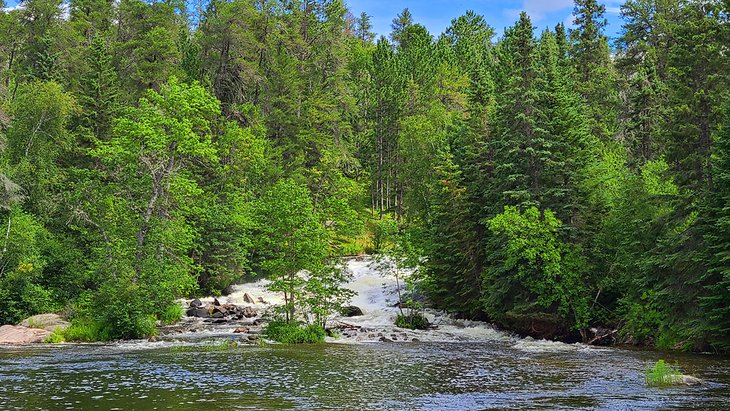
<point x="377" y="297"/>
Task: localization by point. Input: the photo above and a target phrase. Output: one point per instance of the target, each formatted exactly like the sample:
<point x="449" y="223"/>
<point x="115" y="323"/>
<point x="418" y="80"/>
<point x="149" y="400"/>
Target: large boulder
<point x="196" y="303"/>
<point x="18" y="334"/>
<point x="351" y="311"/>
<point x="48" y="322"/>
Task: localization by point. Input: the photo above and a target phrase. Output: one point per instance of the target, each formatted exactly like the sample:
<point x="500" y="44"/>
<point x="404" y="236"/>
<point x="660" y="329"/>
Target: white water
<point x="376" y="296"/>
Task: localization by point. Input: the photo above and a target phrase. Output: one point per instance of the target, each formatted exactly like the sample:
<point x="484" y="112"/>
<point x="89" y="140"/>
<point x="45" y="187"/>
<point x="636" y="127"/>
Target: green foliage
<point x="662" y="375"/>
<point x="81" y="331"/>
<point x="413" y="321"/>
<point x="56" y="337"/>
<point x="171" y="314"/>
<point x="538" y="271"/>
<point x="121" y="183"/>
<point x="291" y="332"/>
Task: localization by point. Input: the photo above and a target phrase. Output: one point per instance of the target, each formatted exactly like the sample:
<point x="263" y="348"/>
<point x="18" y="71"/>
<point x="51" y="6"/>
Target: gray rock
<point x="198" y="312"/>
<point x="351" y="311"/>
<point x="248" y="299"/>
<point x="48" y="322"/>
<point x="196" y="303"/>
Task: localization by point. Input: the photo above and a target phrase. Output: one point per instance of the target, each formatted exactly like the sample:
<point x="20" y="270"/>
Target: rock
<point x="261" y="300"/>
<point x="48" y="322"/>
<point x="228" y="290"/>
<point x="17" y="334"/>
<point x="351" y="311"/>
<point x="249" y="312"/>
<point x="385" y="339"/>
<point x="241" y="330"/>
<point x="198" y="312"/>
<point x="691" y="381"/>
<point x="258" y="321"/>
<point x="253" y="337"/>
<point x="248" y="299"/>
<point x="415" y="340"/>
<point x="217" y="314"/>
<point x="196" y="303"/>
<point x="153" y="339"/>
<point x="216" y="303"/>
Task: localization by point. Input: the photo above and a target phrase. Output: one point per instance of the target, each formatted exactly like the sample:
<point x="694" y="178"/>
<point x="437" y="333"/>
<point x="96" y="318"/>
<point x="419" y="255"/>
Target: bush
<point x="56" y="337"/>
<point x="662" y="375"/>
<point x="290" y="332"/>
<point x="84" y="332"/>
<point x="171" y="314"/>
<point x="412" y="321"/>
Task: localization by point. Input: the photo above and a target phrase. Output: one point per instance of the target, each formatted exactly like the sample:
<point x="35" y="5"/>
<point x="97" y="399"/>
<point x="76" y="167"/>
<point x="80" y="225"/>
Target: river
<point x="459" y="366"/>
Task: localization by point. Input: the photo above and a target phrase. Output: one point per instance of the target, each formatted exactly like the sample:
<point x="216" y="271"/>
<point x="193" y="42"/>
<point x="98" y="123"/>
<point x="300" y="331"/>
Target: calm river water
<point x="369" y="376"/>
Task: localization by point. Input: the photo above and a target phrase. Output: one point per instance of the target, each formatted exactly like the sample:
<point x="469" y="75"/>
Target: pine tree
<point x="716" y="319"/>
<point x="595" y="77"/>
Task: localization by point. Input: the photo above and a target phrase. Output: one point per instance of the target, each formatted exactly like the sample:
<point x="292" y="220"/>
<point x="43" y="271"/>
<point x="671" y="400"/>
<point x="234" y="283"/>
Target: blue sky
<point x="436" y="15"/>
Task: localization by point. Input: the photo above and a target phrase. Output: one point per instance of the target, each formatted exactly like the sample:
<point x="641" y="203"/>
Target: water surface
<point x="385" y="376"/>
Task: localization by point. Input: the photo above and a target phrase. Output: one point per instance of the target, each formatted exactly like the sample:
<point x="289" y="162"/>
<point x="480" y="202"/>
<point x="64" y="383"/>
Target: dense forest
<point x="549" y="182"/>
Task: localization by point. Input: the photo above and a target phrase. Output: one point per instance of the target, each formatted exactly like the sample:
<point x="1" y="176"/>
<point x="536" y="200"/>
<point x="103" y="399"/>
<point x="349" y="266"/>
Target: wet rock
<point x="258" y="321"/>
<point x="688" y="380"/>
<point x="48" y="322"/>
<point x="228" y="290"/>
<point x="17" y="334"/>
<point x="249" y="312"/>
<point x="198" y="312"/>
<point x="385" y="339"/>
<point x="196" y="303"/>
<point x="217" y="314"/>
<point x="261" y="300"/>
<point x="253" y="337"/>
<point x="241" y="330"/>
<point x="248" y="299"/>
<point x="216" y="303"/>
<point x="351" y="311"/>
<point x="415" y="340"/>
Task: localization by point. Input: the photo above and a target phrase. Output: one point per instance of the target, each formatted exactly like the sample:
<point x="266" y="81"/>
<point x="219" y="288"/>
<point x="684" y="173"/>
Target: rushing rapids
<point x="377" y="297"/>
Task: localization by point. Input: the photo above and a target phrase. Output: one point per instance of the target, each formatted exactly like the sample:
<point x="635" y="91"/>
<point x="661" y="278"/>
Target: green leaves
<point x="544" y="272"/>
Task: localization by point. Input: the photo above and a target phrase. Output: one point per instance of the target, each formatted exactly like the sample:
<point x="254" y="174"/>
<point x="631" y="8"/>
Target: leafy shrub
<point x="83" y="332"/>
<point x="171" y="314"/>
<point x="56" y="337"/>
<point x="413" y="321"/>
<point x="290" y="332"/>
<point x="662" y="375"/>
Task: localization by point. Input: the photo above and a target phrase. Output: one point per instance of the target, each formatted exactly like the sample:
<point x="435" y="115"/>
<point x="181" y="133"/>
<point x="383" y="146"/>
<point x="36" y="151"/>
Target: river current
<point x="459" y="366"/>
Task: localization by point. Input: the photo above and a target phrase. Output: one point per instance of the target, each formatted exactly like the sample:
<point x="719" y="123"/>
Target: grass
<point x="171" y="314"/>
<point x="56" y="337"/>
<point x="412" y="321"/>
<point x="290" y="332"/>
<point x="662" y="375"/>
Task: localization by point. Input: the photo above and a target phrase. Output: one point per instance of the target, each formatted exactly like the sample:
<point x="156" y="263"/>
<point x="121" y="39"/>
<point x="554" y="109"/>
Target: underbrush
<point x="290" y="332"/>
<point x="171" y="314"/>
<point x="413" y="321"/>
